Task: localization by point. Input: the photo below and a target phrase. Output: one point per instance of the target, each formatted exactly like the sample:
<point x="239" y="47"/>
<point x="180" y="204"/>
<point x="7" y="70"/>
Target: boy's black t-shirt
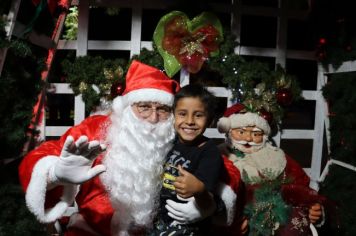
<point x="204" y="162"/>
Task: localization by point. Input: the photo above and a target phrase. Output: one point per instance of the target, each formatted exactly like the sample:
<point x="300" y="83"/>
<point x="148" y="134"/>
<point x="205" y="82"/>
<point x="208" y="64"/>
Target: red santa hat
<point x="237" y="117"/>
<point x="146" y="83"/>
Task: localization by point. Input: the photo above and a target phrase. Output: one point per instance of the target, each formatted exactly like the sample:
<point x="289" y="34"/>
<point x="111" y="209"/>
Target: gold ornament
<point x="109" y="75"/>
<point x="83" y="87"/>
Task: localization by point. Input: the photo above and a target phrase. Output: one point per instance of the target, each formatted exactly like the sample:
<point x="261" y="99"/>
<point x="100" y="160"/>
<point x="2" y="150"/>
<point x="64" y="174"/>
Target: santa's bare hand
<point x="74" y="165"/>
<point x="186" y="184"/>
<point x="315" y="213"/>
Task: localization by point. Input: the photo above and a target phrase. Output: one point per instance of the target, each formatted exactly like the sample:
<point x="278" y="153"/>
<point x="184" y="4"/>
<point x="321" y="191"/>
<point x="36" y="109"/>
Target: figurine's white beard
<point x="254" y="147"/>
<point x="134" y="160"/>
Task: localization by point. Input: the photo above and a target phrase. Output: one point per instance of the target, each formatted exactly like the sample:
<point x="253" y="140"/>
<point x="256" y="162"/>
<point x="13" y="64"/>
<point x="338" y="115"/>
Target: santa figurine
<point x="275" y="198"/>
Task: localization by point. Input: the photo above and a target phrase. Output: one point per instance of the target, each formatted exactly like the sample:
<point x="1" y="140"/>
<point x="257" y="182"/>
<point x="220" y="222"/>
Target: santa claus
<point x="109" y="167"/>
<point x="262" y="165"/>
<point x="127" y="148"/>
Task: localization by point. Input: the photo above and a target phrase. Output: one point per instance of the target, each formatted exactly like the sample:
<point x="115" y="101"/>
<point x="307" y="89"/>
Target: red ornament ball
<point x="268" y="116"/>
<point x="117" y="89"/>
<point x="284" y="96"/>
<point x="322" y="41"/>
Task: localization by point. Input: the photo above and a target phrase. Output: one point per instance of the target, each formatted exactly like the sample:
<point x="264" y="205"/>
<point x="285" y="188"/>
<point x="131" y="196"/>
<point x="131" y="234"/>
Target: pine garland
<point x="268" y="211"/>
<point x="93" y="78"/>
<point x="21" y="79"/>
<point x="339" y="184"/>
<point x="15" y="218"/>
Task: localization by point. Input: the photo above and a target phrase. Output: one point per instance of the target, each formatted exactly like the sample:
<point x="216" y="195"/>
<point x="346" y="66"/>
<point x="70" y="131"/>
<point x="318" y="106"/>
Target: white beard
<point x="134" y="161"/>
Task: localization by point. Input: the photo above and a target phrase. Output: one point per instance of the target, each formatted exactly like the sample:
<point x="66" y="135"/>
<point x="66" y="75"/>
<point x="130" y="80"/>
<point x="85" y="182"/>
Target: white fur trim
<point x="224" y="125"/>
<point x="249" y="119"/>
<point x="36" y="192"/>
<point x="228" y="196"/>
<point x="150" y="95"/>
<point x="119" y="104"/>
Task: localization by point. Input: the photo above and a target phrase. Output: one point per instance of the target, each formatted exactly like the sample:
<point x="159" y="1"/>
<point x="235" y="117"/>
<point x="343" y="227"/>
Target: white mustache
<point x="249" y="143"/>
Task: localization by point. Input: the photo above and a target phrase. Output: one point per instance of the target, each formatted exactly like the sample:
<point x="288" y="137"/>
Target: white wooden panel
<point x="79" y="109"/>
<point x="109" y="45"/>
<point x="309" y="94"/>
<point x="136" y="28"/>
<point x="213" y="133"/>
<point x="346" y="66"/>
<point x="62" y="88"/>
<point x="67" y="45"/>
<point x="297" y="134"/>
<point x="147" y="45"/>
<point x="220" y="91"/>
<point x="83" y="21"/>
<point x="263" y="52"/>
<point x="56" y="130"/>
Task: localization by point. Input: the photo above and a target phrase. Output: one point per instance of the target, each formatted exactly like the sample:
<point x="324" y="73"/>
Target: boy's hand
<point x="315" y="213"/>
<point x="186" y="184"/>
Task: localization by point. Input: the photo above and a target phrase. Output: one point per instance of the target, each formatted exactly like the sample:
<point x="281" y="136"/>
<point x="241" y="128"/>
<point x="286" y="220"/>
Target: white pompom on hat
<point x="146" y="83"/>
<point x="234" y="117"/>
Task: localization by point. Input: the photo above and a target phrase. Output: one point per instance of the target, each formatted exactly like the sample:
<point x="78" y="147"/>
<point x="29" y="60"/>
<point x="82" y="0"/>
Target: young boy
<point x="194" y="163"/>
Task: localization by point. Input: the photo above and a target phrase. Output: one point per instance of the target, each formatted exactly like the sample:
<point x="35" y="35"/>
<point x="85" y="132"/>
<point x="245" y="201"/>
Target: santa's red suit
<point x="95" y="211"/>
<point x="92" y="199"/>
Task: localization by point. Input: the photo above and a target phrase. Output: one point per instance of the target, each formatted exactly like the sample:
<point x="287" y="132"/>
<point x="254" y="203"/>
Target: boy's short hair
<point x="198" y="91"/>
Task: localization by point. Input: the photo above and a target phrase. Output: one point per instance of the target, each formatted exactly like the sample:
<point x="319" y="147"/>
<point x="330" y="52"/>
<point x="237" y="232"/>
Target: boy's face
<point x="191" y="119"/>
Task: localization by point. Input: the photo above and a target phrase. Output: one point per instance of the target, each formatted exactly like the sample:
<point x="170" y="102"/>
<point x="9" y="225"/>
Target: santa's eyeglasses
<point x="145" y="109"/>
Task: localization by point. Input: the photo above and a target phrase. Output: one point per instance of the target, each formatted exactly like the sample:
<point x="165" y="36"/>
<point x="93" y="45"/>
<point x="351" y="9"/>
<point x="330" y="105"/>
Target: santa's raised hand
<point x="74" y="165"/>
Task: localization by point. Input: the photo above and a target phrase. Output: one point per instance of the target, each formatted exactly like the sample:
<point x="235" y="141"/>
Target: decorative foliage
<point x="254" y="84"/>
<point x="15" y="218"/>
<point x="93" y="78"/>
<point x="71" y="24"/>
<point x="184" y="43"/>
<point x="334" y="26"/>
<point x="340" y="95"/>
<point x="267" y="211"/>
<point x="339" y="186"/>
<point x="20" y="84"/>
<point x="152" y="58"/>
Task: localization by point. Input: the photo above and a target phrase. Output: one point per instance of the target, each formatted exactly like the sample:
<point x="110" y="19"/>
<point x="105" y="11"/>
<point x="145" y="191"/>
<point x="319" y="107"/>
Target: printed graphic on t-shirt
<point x="171" y="168"/>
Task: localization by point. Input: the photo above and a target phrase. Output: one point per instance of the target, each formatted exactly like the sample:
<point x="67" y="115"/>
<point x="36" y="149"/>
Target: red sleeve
<point x="231" y="175"/>
<point x="88" y="127"/>
<point x="296" y="172"/>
